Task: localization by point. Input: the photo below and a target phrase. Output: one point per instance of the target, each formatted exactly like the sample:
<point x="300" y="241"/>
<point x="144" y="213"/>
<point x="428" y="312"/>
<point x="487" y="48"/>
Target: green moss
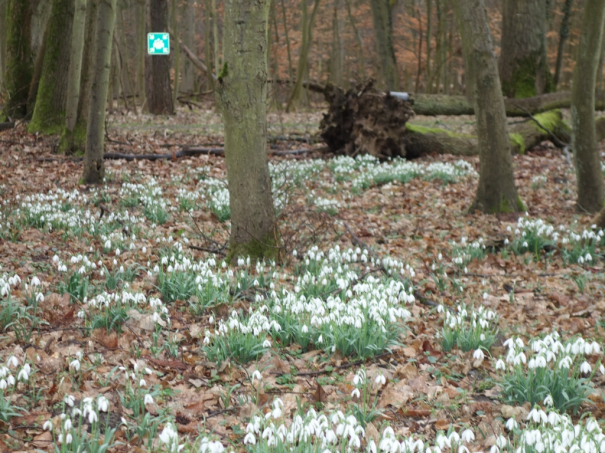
<point x="523" y="81"/>
<point x="267" y="248"/>
<point x="517" y="142"/>
<point x="73" y="143"/>
<point x="520" y="205"/>
<point x="505" y="206"/>
<point x="435" y="130"/>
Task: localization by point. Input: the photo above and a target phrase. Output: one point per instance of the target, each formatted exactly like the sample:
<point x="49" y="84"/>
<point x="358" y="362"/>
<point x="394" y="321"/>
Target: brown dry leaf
<point x="407" y="371"/>
<point x="319" y="395"/>
<point x="442" y="425"/>
<point x="110" y="341"/>
<point x="396" y="395"/>
<point x="42" y="441"/>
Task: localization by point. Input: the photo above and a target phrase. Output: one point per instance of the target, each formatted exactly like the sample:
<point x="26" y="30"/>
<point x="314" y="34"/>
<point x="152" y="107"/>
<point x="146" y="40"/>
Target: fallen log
<point x="420" y="140"/>
<point x="5" y="126"/>
<point x="439" y="104"/>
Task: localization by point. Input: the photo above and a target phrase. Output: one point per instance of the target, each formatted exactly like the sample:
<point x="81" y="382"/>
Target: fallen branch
<point x="186" y="152"/>
<point x="5" y="126"/>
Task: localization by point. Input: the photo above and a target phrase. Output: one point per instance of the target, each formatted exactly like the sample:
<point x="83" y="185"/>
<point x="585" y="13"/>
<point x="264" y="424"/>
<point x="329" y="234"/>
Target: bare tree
<point x="242" y="95"/>
<point x="382" y="15"/>
<point x="94" y="167"/>
<point x="591" y="194"/>
<point x="496" y="191"/>
<point x="157" y="67"/>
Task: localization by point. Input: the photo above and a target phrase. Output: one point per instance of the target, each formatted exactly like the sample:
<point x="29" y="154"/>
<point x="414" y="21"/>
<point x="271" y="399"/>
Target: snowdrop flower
<point x="148" y="399"/>
<point x="12" y="360"/>
<point x="169" y="436"/>
<point x="92" y="417"/>
<point x="266" y="344"/>
<point x="602" y="369"/>
<point x="548" y="401"/>
<point x="48" y="425"/>
<point x="380" y="380"/>
<point x="500" y="365"/>
<point x="467" y="435"/>
<point x="355" y="393"/>
<point x="585" y="367"/>
<point x="35" y="281"/>
<point x="479" y="355"/>
<point x="142" y="383"/>
<point x="511" y="424"/>
<point x="69" y="400"/>
<point x="24" y="373"/>
<point x="102" y="403"/>
<point x="3" y="384"/>
<point x="250" y="439"/>
<point x="257" y="376"/>
<point x="75" y="365"/>
<point x="67" y="425"/>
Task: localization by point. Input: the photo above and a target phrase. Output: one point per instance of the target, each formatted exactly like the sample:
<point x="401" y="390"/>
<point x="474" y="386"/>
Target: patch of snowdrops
<point x="549" y="368"/>
<point x="468" y="328"/>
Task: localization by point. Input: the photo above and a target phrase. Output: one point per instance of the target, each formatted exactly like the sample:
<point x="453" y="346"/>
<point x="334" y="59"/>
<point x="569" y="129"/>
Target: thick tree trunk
<point x="188" y="37"/>
<point x="437" y="104"/>
<point x="49" y="112"/>
<point x="94" y="168"/>
<point x="382" y="16"/>
<point x="177" y="53"/>
<point x="591" y="194"/>
<point x="563" y="35"/>
<point x="19" y="59"/>
<point x="242" y="96"/>
<point x="523" y="64"/>
<point x="599" y="219"/>
<point x="496" y="191"/>
<point x="157" y="67"/>
<point x="303" y="57"/>
<point x="74" y="77"/>
<point x="141" y="40"/>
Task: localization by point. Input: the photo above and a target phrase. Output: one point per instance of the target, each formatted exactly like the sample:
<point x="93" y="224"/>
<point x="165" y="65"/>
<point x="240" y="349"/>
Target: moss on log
<point x="420" y="140"/>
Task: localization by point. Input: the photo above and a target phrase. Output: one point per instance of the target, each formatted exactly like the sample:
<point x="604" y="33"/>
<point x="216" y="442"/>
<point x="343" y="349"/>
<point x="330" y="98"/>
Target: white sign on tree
<point x="158" y="43"/>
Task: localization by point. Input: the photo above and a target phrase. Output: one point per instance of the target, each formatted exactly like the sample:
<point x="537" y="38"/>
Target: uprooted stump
<point x="365" y="120"/>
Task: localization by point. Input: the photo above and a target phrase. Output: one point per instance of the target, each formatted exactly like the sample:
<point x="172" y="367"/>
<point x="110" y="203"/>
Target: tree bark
<point x="496" y="192"/>
<point x="188" y="28"/>
<point x="157" y="67"/>
<point x="3" y="10"/>
<point x="242" y="96"/>
<point x="94" y="168"/>
<point x="437" y="104"/>
<point x="523" y="63"/>
<point x="177" y="53"/>
<point x="141" y="39"/>
<point x="382" y="16"/>
<point x="19" y="64"/>
<point x="207" y="47"/>
<point x="361" y="67"/>
<point x="563" y="35"/>
<point x="74" y="77"/>
<point x="336" y="65"/>
<point x="49" y="112"/>
<point x="591" y="194"/>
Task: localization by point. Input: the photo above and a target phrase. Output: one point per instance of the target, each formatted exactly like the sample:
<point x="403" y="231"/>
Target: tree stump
<point x="365" y="120"/>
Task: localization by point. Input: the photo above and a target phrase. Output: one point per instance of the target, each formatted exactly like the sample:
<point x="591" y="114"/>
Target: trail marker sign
<point x="158" y="43"/>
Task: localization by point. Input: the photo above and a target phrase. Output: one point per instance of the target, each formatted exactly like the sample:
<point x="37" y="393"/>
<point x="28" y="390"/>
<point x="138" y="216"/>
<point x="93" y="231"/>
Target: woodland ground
<point x="132" y="305"/>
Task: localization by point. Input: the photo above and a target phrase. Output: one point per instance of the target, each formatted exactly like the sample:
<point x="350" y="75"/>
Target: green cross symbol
<point x="158" y="43"/>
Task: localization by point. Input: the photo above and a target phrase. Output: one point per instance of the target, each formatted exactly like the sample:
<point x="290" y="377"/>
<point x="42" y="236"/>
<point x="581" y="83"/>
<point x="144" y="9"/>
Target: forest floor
<point x="383" y="322"/>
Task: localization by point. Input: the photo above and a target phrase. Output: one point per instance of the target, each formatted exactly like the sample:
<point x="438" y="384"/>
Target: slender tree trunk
<point x="157" y="67"/>
<point x="127" y="83"/>
<point x="523" y="63"/>
<point x="242" y="96"/>
<point x="429" y="39"/>
<point x="336" y="54"/>
<point x="217" y="62"/>
<point x="19" y="60"/>
<point x="3" y="10"/>
<point x="207" y="46"/>
<point x="74" y="77"/>
<point x="496" y="191"/>
<point x="141" y="51"/>
<point x="303" y="57"/>
<point x="563" y="35"/>
<point x="361" y="67"/>
<point x="290" y="67"/>
<point x="591" y="193"/>
<point x="36" y="76"/>
<point x="177" y="53"/>
<point x="188" y="28"/>
<point x="382" y="15"/>
<point x="94" y="168"/>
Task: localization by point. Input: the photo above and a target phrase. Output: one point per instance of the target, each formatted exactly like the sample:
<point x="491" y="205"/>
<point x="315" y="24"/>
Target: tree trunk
<point x="591" y="193"/>
<point x="303" y="57"/>
<point x="382" y="15"/>
<point x="36" y="75"/>
<point x="19" y="64"/>
<point x="523" y="64"/>
<point x="361" y="67"/>
<point x="177" y="53"/>
<point x="496" y="192"/>
<point x="3" y="4"/>
<point x="563" y="35"/>
<point x="49" y="112"/>
<point x="94" y="168"/>
<point x="74" y="77"/>
<point x="336" y="65"/>
<point x="287" y="36"/>
<point x="188" y="34"/>
<point x="142" y="40"/>
<point x="207" y="47"/>
<point x="436" y="104"/>
<point x="242" y="96"/>
<point x="157" y="67"/>
<point x="599" y="219"/>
